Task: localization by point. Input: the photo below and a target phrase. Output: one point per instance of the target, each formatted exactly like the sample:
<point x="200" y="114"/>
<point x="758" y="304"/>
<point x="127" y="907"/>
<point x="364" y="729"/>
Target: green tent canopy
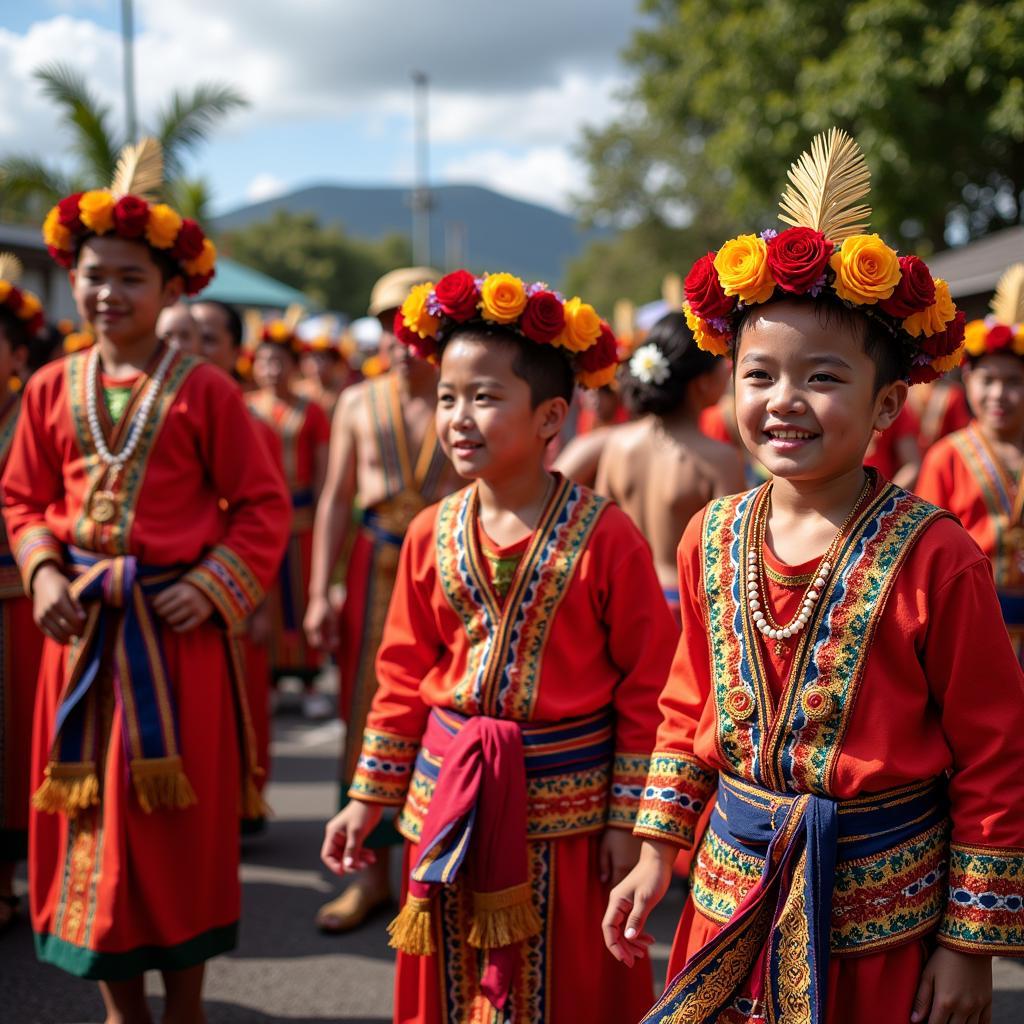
<point x="242" y="286"/>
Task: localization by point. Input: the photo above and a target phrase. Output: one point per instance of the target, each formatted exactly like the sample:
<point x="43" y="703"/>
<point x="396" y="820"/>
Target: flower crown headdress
<point x="432" y="311"/>
<point x="1003" y="329"/>
<point x="23" y="304"/>
<point x="128" y="209"/>
<point x="281" y="331"/>
<point x="827" y="251"/>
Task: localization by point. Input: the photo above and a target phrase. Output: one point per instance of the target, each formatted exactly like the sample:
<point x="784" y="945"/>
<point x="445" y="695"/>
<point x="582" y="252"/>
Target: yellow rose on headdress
<point x="163" y="226"/>
<point x="867" y="270"/>
<point x="5" y="290"/>
<point x="96" y="211"/>
<point x="54" y="233"/>
<point x="1018" y="342"/>
<point x="279" y="331"/>
<point x="414" y="312"/>
<point x="705" y="335"/>
<point x="204" y="262"/>
<point x="30" y="306"/>
<point x="975" y="336"/>
<point x="946" y="363"/>
<point x="582" y="326"/>
<point x="936" y="316"/>
<point x="742" y="268"/>
<point x="502" y="298"/>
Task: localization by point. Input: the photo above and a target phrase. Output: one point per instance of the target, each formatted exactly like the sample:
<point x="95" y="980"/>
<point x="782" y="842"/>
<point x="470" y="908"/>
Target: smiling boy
<point x="865" y="855"/>
<point x="524" y="648"/>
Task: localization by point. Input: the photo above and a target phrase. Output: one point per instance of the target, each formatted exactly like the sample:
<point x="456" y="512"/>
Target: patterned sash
<point x="795" y="748"/>
<point x="771" y="959"/>
<point x="507" y="638"/>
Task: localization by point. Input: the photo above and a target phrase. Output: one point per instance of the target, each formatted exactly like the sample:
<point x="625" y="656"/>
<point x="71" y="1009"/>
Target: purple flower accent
<point x="434" y="305"/>
<point x="768" y="234"/>
<point x="720" y="324"/>
<point x="479" y="282"/>
<point x="537" y="286"/>
<point x="818" y="287"/>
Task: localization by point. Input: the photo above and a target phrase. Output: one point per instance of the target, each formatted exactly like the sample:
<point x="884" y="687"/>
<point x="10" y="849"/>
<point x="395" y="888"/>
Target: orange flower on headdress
<point x="414" y="312"/>
<point x="163" y="226"/>
<point x="867" y="270"/>
<point x="502" y="298"/>
<point x="743" y="271"/>
<point x="936" y="316"/>
<point x="96" y="211"/>
<point x="582" y="326"/>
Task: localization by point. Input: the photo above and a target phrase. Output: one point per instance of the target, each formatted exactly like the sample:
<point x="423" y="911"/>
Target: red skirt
<point x="566" y="974"/>
<point x="18" y="674"/>
<point x="115" y="891"/>
<point x="257" y="688"/>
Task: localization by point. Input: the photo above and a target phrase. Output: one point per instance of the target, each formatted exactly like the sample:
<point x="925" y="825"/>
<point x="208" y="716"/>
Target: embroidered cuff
<point x="229" y="584"/>
<point x="678" y="788"/>
<point x="384" y="769"/>
<point x="629" y="776"/>
<point x="985" y="909"/>
<point x="33" y="547"/>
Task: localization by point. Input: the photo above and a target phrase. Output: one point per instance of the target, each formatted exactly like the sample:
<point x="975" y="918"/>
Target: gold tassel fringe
<point x="67" y="789"/>
<point x="412" y="931"/>
<point x="162" y="783"/>
<point x="503" y="918"/>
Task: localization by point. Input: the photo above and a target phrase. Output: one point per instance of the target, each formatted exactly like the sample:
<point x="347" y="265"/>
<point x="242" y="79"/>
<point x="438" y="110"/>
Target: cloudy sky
<point x="329" y="81"/>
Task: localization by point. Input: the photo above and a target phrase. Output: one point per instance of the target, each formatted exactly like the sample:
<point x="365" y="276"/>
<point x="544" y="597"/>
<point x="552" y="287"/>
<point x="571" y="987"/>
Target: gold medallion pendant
<point x="103" y="507"/>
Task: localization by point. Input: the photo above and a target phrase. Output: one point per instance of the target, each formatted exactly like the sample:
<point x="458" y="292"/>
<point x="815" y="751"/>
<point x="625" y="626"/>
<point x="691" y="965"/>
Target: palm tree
<point x="29" y="186"/>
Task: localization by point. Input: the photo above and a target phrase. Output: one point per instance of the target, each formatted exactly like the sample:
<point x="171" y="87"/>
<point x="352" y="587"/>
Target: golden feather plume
<point x="292" y="315"/>
<point x="672" y="291"/>
<point x="140" y="171"/>
<point x="624" y="319"/>
<point x="10" y="267"/>
<point x="1008" y="302"/>
<point x="824" y="186"/>
<point x="253" y="328"/>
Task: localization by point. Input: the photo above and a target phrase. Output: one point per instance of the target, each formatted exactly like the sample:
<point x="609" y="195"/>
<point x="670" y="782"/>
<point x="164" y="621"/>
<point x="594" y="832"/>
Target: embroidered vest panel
<point x="506" y="640"/>
<point x="795" y="749"/>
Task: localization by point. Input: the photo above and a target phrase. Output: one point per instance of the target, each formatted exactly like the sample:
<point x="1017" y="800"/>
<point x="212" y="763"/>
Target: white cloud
<point x="544" y="174"/>
<point x="264" y="186"/>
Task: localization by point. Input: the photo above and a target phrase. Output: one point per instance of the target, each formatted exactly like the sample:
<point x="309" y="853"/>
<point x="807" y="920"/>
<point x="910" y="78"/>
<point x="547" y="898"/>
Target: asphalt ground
<point x="284" y="969"/>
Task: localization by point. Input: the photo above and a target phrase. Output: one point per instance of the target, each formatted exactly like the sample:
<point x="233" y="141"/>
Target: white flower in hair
<point x="649" y="365"/>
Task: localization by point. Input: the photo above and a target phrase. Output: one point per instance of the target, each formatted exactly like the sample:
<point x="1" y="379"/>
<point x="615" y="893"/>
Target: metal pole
<point x="421" y="202"/>
<point x="128" y="41"/>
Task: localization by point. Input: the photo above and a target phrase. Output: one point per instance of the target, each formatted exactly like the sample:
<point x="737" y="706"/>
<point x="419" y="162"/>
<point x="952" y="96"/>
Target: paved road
<point x="283" y="969"/>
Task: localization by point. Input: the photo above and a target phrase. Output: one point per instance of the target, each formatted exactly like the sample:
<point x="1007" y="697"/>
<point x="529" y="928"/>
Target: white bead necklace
<point x="139" y="420"/>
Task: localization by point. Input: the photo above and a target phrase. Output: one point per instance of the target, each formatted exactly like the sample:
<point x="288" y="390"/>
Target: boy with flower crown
<point x="21" y="321"/>
<point x="523" y="650"/>
<point x="142" y="747"/>
<point x="976" y="472"/>
<point x="865" y="856"/>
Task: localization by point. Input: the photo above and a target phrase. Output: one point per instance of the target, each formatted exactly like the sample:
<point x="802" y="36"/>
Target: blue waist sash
<point x="372" y="525"/>
<point x="774" y="950"/>
<point x="1012" y="604"/>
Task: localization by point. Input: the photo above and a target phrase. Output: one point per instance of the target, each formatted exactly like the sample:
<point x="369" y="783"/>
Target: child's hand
<point x="55" y="611"/>
<point x="182" y="606"/>
<point x="260" y="625"/>
<point x="633" y="899"/>
<point x="321" y="624"/>
<point x="956" y="988"/>
<point x="345" y="834"/>
<point x="619" y="852"/>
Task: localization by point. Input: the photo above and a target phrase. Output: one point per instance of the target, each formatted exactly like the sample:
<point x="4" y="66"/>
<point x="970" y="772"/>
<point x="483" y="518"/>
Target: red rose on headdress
<point x="797" y="257"/>
<point x="189" y="243"/>
<point x="13" y="299"/>
<point x="543" y="318"/>
<point x="457" y="295"/>
<point x="945" y="343"/>
<point x="195" y="283"/>
<point x="914" y="293"/>
<point x="68" y="212"/>
<point x="422" y="348"/>
<point x="62" y="257"/>
<point x="704" y="292"/>
<point x="604" y="352"/>
<point x="131" y="214"/>
<point x="925" y="373"/>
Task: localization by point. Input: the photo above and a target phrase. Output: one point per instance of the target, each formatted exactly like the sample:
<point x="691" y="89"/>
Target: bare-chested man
<point x="386" y="462"/>
<point x="579" y="459"/>
<point x="662" y="469"/>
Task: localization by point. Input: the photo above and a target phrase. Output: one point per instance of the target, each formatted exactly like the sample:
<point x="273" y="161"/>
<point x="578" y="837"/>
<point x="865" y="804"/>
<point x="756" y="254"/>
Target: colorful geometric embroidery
<point x="722" y="875"/>
<point x="629" y="779"/>
<point x="677" y="791"/>
<point x="385" y="766"/>
<point x="794" y="752"/>
<point x="985" y="906"/>
<point x="34" y="546"/>
<point x="507" y="640"/>
<point x="229" y="584"/>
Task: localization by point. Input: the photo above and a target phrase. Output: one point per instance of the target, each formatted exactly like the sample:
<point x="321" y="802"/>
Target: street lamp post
<point x="421" y="200"/>
<point x="128" y="44"/>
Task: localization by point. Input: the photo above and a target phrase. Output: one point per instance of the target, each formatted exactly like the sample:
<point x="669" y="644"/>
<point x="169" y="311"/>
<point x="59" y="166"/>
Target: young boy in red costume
<point x="976" y="472"/>
<point x="304" y="431"/>
<point x="525" y="644"/>
<point x="21" y="320"/>
<point x="113" y="500"/>
<point x="836" y="630"/>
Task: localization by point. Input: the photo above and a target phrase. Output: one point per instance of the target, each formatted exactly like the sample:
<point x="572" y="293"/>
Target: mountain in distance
<point x="470" y="226"/>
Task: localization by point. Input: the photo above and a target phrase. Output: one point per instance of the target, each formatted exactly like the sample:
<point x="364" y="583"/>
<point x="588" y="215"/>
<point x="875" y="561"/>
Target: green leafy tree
<point x="333" y="269"/>
<point x="28" y="186"/>
<point x="727" y="94"/>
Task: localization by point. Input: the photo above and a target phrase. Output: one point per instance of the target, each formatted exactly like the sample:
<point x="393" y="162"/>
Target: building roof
<point x="974" y="268"/>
